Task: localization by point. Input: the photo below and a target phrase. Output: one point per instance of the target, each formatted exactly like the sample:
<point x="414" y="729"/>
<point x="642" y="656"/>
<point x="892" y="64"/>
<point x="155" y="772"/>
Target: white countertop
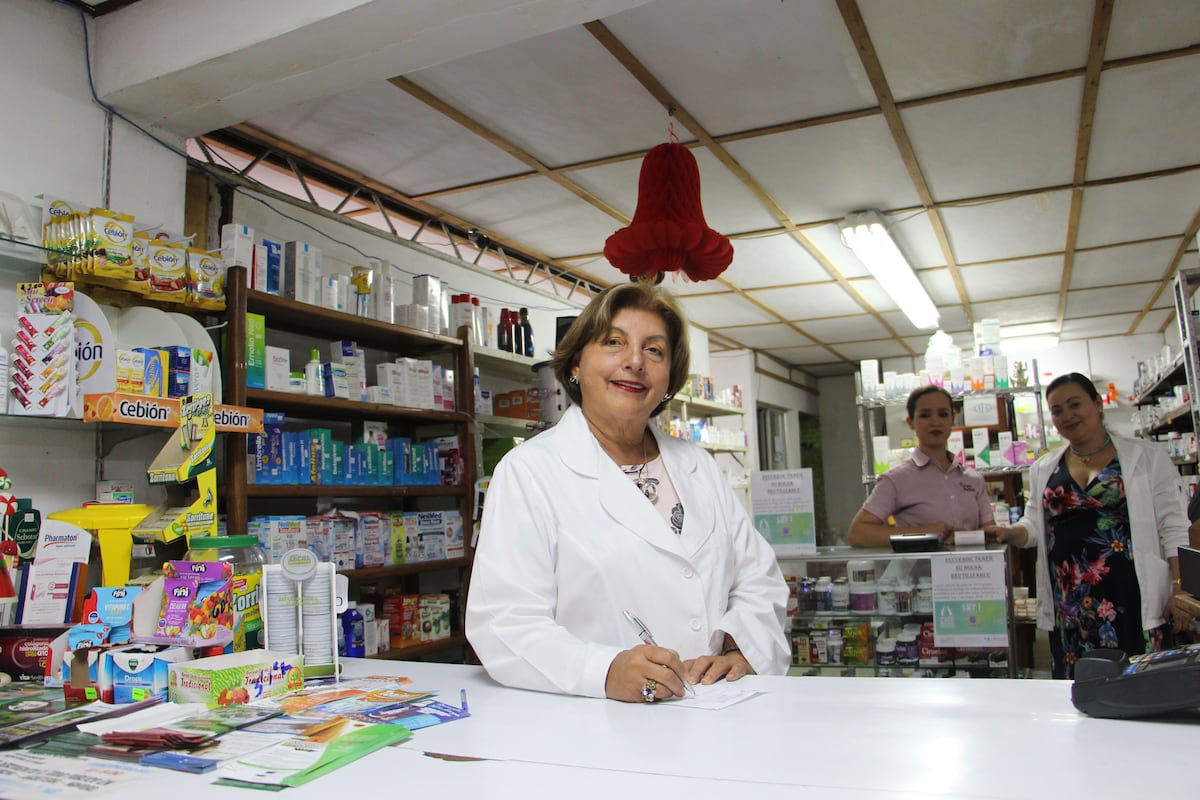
<point x="842" y="738"/>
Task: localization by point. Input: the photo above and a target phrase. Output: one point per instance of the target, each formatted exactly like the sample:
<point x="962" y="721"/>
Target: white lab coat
<point x="1157" y="523"/>
<point x="568" y="542"/>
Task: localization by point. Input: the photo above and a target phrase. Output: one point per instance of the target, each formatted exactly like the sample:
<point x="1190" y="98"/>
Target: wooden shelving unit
<point x="282" y="314"/>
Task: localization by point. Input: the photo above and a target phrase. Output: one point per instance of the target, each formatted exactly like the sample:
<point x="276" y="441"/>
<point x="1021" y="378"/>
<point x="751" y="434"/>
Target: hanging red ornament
<point x="668" y="231"/>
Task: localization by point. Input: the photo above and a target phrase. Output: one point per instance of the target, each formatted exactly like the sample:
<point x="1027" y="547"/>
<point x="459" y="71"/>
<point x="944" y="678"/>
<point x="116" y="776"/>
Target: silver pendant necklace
<point x="647" y="486"/>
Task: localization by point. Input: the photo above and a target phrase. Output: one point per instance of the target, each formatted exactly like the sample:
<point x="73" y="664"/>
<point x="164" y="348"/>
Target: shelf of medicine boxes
<point x="288" y="316"/>
<point x="696" y="407"/>
<point x="839" y="556"/>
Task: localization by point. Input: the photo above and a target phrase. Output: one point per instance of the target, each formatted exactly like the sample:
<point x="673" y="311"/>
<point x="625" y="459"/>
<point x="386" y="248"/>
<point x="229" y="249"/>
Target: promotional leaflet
<point x="784" y="511"/>
<point x="969" y="599"/>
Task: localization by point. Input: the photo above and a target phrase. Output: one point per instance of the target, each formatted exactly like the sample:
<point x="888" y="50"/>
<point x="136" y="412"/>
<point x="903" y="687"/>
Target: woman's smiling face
<point x="624" y="374"/>
<point x="1074" y="413"/>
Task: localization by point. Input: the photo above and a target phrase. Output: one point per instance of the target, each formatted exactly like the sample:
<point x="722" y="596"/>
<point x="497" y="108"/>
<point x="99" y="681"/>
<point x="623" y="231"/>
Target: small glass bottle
<point x="504" y="332"/>
<point x="526" y="333"/>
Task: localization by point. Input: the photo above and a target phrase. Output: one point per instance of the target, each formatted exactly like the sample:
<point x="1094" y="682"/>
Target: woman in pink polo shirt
<point x="930" y="492"/>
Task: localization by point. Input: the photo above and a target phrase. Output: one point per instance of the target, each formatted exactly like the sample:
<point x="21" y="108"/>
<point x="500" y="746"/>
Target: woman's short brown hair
<point x="595" y="322"/>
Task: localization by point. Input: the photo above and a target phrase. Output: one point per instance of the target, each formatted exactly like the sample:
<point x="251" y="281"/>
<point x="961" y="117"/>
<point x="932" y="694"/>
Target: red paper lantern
<point x="668" y="231"/>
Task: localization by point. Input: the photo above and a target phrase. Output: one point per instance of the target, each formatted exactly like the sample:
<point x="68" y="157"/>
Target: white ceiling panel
<point x="989" y="97"/>
<point x="1114" y="300"/>
<point x="808" y="302"/>
<point x="826" y="171"/>
<point x="881" y="348"/>
<point x="761" y="337"/>
<point x="772" y="261"/>
<point x="679" y="285"/>
<point x="804" y="355"/>
<point x="938" y="46"/>
<point x="1106" y="325"/>
<point x="873" y="293"/>
<point x="1139" y="210"/>
<point x="952" y="319"/>
<point x="1023" y="226"/>
<point x="844" y="329"/>
<point x="940" y="285"/>
<point x="542" y="214"/>
<point x="718" y="311"/>
<point x="996" y="281"/>
<point x="1141" y="128"/>
<point x="800" y="55"/>
<point x="556" y="96"/>
<point x="596" y="269"/>
<point x="1157" y="320"/>
<point x="1020" y="311"/>
<point x="914" y="235"/>
<point x="382" y="131"/>
<point x="1147" y="26"/>
<point x="828" y="240"/>
<point x="999" y="141"/>
<point x="1122" y="264"/>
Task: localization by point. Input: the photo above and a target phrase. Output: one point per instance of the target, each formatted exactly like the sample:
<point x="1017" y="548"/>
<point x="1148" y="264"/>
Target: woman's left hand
<point x="1180" y="619"/>
<point x="710" y="669"/>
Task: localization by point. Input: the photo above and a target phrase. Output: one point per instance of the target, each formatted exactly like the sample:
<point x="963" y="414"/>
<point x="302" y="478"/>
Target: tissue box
<point x="235" y="678"/>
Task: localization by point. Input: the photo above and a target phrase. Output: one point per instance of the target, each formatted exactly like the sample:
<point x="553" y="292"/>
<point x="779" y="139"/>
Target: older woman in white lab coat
<point x="604" y="514"/>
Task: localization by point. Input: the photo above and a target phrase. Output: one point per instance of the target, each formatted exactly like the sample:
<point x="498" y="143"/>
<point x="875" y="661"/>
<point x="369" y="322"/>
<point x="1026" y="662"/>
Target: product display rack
<point x="999" y="662"/>
<point x="288" y="316"/>
<point x="697" y="408"/>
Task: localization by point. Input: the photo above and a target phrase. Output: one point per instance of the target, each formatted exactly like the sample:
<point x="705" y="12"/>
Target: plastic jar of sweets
<point x="247" y="559"/>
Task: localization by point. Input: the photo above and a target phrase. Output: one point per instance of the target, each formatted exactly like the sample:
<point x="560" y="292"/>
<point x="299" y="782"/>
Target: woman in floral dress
<point x="1107" y="516"/>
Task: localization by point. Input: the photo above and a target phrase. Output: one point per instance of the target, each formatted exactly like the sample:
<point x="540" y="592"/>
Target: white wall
<point x="54" y="142"/>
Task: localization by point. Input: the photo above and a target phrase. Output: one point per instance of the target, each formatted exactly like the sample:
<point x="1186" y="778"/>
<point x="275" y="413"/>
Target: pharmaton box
<point x="235" y="678"/>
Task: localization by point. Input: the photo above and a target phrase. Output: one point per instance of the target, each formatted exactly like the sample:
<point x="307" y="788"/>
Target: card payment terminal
<point x="1110" y="684"/>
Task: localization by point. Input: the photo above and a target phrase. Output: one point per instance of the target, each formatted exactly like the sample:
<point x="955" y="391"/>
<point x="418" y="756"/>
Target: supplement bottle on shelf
<point x="247" y="559"/>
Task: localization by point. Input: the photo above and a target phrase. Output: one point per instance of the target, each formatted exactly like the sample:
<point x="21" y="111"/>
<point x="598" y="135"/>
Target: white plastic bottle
<point x="313" y="382"/>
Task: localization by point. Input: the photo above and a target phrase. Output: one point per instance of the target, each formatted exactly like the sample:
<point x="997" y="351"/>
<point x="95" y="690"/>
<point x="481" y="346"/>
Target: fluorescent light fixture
<point x="865" y="233"/>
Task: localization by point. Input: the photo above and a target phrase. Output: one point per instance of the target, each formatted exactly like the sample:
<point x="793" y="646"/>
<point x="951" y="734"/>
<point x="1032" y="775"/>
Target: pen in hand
<point x="646" y="636"/>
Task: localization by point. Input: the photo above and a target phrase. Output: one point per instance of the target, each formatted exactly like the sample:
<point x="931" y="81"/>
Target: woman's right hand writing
<point x="633" y="669"/>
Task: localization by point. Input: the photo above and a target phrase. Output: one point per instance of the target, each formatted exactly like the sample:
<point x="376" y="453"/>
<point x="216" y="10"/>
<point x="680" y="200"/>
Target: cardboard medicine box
<point x="235" y="678"/>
